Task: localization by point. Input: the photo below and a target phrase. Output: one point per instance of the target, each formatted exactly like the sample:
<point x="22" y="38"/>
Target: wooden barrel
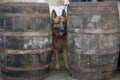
<point x="93" y="40"/>
<point x="25" y="41"/>
<point x="111" y="0"/>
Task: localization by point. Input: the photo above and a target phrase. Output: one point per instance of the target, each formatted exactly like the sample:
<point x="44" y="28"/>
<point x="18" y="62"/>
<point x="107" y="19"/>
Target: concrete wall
<point x="57" y="5"/>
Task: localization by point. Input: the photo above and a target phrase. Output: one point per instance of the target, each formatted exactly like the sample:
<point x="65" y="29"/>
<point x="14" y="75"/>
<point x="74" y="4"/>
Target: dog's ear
<point x="63" y="13"/>
<point x="54" y="14"/>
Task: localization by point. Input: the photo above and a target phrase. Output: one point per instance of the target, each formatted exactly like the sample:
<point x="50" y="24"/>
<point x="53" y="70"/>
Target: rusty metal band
<point x="95" y="4"/>
<point x="22" y="4"/>
<point x="92" y="12"/>
<point x="41" y="77"/>
<point x="108" y="68"/>
<point x="27" y="34"/>
<point x="94" y="31"/>
<point x="40" y="51"/>
<point x="98" y="51"/>
<point x="27" y="68"/>
<point x="30" y="15"/>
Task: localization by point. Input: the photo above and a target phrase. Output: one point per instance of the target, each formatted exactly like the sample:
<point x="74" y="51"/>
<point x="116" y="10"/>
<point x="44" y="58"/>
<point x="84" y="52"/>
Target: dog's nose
<point x="60" y="29"/>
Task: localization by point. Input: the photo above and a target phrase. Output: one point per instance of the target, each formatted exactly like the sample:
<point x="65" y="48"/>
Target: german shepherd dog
<point x="59" y="25"/>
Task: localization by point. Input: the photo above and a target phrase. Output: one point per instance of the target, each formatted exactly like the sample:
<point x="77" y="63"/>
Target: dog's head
<point x="59" y="24"/>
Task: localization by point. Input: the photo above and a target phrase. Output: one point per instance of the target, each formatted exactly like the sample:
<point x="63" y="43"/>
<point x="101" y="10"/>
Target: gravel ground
<point x="59" y="75"/>
<point x="64" y="75"/>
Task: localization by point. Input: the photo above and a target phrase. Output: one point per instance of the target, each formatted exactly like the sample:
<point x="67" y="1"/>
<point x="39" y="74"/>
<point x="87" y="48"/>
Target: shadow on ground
<point x="64" y="75"/>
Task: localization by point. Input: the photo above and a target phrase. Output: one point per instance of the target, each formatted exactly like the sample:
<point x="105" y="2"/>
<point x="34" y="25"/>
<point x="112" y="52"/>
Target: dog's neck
<point x="55" y="36"/>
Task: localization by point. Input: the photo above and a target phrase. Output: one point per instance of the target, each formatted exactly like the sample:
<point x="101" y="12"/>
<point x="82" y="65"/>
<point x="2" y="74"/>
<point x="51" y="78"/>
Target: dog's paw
<point x="57" y="67"/>
<point x="66" y="66"/>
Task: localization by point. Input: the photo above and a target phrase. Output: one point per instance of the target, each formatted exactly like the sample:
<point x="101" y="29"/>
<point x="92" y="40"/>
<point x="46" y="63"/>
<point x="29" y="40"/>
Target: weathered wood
<point x="112" y="0"/>
<point x="93" y="40"/>
<point x="25" y="41"/>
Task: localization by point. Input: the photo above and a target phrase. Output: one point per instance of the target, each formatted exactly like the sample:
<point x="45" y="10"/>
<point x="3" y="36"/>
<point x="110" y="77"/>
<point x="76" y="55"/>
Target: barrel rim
<point x="23" y="4"/>
<point x="93" y="4"/>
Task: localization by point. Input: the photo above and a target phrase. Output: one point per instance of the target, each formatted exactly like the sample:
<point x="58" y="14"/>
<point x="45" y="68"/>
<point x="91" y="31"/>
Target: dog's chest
<point x="59" y="43"/>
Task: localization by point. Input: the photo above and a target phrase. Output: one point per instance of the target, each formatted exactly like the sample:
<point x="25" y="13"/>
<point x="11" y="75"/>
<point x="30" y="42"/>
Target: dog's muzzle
<point x="60" y="31"/>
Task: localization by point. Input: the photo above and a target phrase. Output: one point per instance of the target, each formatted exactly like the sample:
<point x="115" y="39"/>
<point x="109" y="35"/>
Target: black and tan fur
<point x="59" y="36"/>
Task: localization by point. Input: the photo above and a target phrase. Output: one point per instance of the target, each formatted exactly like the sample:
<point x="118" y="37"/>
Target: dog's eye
<point x="56" y="23"/>
<point x="56" y="28"/>
<point x="64" y="22"/>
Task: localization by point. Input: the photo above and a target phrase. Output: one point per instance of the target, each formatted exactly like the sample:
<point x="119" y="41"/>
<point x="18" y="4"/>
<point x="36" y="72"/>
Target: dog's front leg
<point x="65" y="57"/>
<point x="57" y="65"/>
